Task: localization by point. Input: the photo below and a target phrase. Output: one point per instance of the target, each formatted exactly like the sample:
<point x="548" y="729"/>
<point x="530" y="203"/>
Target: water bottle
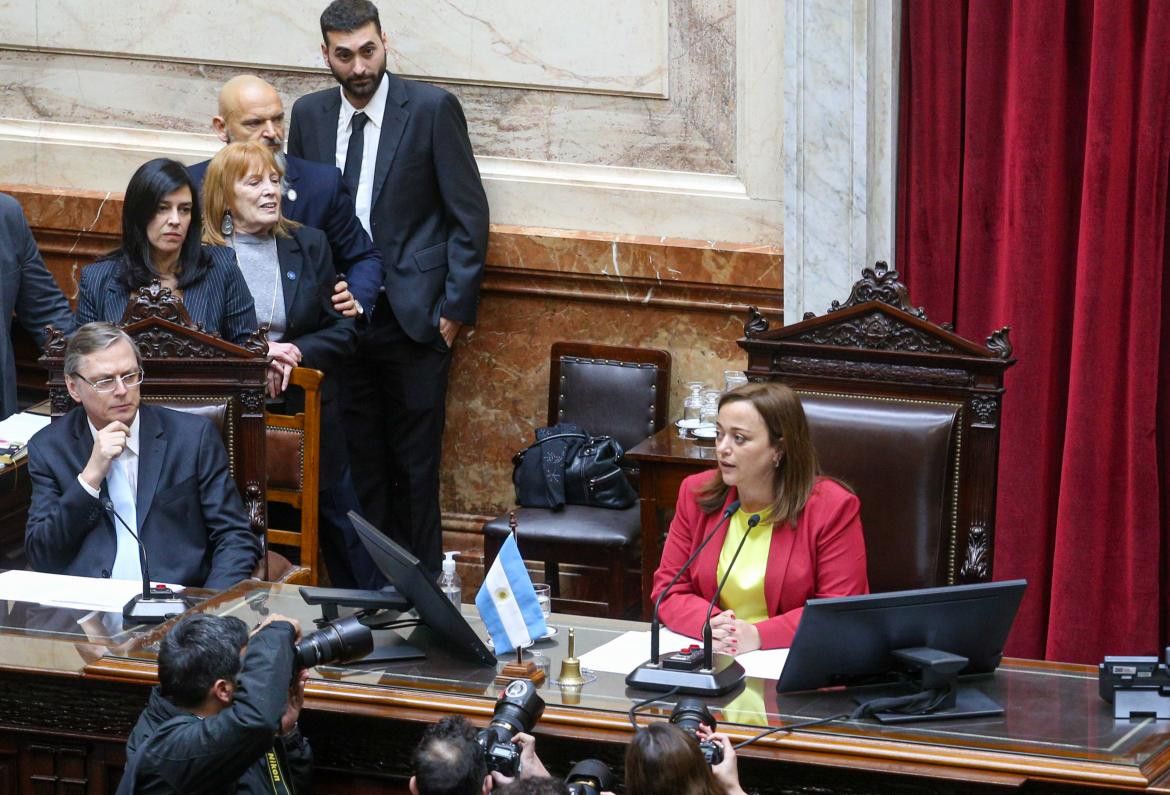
<point x="449" y="582"/>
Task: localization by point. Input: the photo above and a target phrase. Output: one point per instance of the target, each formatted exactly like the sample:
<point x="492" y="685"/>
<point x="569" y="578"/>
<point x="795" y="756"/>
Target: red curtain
<point x="1033" y="181"/>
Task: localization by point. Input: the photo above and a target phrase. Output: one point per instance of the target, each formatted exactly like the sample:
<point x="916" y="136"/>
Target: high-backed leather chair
<point x="189" y="370"/>
<point x="906" y="413"/>
<point x="608" y="391"/>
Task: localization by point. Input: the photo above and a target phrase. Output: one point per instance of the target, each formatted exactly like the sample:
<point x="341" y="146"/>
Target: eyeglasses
<point x="128" y="380"/>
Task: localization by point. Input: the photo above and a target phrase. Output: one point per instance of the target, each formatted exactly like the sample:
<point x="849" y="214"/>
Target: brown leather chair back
<point x="608" y="390"/>
<point x="898" y="457"/>
<point x="215" y="408"/>
<point x="906" y="412"/>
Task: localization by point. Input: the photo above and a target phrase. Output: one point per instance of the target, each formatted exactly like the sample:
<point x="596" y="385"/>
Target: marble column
<point x="840" y="134"/>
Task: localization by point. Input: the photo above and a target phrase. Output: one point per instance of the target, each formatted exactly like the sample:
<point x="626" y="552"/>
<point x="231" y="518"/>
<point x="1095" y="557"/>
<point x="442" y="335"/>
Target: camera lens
<point x="519" y="708"/>
<point x="590" y="777"/>
<point x="340" y="641"/>
<point x="690" y="714"/>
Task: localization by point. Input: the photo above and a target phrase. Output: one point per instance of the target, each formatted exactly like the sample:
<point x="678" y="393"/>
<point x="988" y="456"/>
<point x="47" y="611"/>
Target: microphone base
<point x="724" y="676"/>
<point x="141" y="610"/>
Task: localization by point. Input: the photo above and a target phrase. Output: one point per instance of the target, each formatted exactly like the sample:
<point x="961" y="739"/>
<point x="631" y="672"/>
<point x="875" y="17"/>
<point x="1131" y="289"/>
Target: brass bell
<point x="571" y="666"/>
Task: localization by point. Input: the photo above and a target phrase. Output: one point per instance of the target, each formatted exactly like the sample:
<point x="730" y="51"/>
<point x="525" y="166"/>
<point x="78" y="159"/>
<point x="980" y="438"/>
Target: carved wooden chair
<point x="907" y="413"/>
<point x="190" y="370"/>
<point x="614" y="391"/>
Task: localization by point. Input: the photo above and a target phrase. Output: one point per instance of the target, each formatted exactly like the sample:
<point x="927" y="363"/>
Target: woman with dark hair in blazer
<point x="807" y="543"/>
<point x="162" y="229"/>
<point x="289" y="270"/>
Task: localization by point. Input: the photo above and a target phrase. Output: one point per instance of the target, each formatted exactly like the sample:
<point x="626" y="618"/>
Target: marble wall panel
<point x="700" y="163"/>
<point x="610" y="47"/>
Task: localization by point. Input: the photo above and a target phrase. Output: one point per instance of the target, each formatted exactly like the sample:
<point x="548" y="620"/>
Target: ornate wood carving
<point x="59" y="400"/>
<point x="55" y="341"/>
<point x="999" y="344"/>
<point x="756" y="322"/>
<point x="254" y="504"/>
<point x="154" y="300"/>
<point x="977" y="560"/>
<point x="162" y="343"/>
<point x="879" y="283"/>
<point x="986" y="410"/>
<point x="253" y="401"/>
<point x="869" y="371"/>
<point x="50" y="704"/>
<point x="875" y="331"/>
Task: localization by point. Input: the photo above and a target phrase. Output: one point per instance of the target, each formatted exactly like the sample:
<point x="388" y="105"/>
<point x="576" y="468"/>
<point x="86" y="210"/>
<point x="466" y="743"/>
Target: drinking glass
<point x="733" y="379"/>
<point x="544" y="598"/>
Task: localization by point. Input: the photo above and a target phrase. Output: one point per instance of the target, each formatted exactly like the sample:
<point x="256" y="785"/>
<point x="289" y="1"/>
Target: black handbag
<point x="567" y="465"/>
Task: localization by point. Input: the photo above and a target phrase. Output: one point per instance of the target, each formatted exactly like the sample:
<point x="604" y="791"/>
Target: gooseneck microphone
<point x="684" y="671"/>
<point x="655" y="624"/>
<point x="753" y="520"/>
<point x="153" y="605"/>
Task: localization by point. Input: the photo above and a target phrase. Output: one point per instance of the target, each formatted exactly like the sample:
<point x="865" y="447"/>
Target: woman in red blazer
<point x="767" y="462"/>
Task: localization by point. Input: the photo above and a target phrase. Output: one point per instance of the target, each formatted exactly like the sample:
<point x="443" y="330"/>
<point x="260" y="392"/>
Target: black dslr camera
<point x="339" y="641"/>
<point x="518" y="710"/>
<point x="590" y="777"/>
<point x="689" y="714"/>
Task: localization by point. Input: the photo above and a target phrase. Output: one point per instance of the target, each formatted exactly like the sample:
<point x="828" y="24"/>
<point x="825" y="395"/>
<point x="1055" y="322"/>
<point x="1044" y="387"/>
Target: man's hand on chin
<point x="449" y="330"/>
<point x="109" y="444"/>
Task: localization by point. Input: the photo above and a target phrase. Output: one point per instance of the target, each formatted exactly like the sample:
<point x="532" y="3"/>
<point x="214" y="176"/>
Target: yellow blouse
<point x="744" y="591"/>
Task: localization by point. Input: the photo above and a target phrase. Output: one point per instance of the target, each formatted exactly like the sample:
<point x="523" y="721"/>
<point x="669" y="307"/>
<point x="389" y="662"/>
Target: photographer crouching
<point x="217" y="723"/>
<point x="454" y="758"/>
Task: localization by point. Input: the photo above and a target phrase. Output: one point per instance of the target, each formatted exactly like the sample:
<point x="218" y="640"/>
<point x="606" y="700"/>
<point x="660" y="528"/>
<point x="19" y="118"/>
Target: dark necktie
<point x="353" y="154"/>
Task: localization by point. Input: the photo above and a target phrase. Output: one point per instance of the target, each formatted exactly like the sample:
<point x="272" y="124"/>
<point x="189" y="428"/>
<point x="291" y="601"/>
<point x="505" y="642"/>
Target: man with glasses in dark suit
<point x="111" y="466"/>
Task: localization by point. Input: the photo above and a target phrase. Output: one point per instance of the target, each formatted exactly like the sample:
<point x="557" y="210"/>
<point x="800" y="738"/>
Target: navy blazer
<point x="324" y="337"/>
<point x="190" y="516"/>
<point x="322" y="201"/>
<point x="219" y="301"/>
<point x="26" y="289"/>
<point x="429" y="213"/>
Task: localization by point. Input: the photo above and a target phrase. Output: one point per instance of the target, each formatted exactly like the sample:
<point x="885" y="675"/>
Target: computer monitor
<point x="412" y="581"/>
<point x="931" y="634"/>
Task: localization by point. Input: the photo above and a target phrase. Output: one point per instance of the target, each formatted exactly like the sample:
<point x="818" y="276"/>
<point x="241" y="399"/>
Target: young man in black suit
<point x="404" y="151"/>
<point x="110" y="460"/>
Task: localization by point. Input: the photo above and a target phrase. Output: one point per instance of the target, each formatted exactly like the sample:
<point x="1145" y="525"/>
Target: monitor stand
<point x="934" y="695"/>
<point x="390" y="647"/>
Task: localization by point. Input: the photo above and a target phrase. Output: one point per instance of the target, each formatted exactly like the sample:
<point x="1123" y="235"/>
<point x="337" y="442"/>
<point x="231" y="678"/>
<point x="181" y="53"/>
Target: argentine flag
<point x="507" y="602"/>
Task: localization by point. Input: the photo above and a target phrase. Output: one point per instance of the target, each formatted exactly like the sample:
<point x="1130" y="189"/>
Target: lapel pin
<point x="292" y="194"/>
<point x="292" y="276"/>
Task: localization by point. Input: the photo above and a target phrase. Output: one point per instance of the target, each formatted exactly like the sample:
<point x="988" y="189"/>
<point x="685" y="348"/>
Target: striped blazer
<point x="220" y="301"/>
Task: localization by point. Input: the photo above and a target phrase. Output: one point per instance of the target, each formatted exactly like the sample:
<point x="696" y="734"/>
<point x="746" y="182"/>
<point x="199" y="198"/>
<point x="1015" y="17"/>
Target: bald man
<point x="313" y="194"/>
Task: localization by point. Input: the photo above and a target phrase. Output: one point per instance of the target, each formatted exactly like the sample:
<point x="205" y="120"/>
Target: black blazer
<point x="190" y="516"/>
<point x="220" y="301"/>
<point x="429" y="213"/>
<point x="28" y="290"/>
<point x="322" y="201"/>
<point x="324" y="337"/>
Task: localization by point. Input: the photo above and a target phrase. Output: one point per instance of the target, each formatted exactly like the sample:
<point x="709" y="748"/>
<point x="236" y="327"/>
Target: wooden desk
<point x="663" y="460"/>
<point x="67" y="704"/>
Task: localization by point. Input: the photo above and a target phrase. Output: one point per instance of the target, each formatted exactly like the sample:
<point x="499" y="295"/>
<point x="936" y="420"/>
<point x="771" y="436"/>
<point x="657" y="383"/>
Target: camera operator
<point x="217" y="723"/>
<point x="664" y="759"/>
<point x="450" y="761"/>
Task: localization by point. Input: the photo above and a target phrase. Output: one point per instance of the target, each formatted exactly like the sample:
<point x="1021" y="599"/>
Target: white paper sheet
<point x="630" y="649"/>
<point x="60" y="590"/>
<point x="19" y="428"/>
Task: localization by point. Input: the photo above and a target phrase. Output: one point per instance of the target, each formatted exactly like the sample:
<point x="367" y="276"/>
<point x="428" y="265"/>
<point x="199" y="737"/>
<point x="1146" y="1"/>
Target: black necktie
<point x="353" y="154"/>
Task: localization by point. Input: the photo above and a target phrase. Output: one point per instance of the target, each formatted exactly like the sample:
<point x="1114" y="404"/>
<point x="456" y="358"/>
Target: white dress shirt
<point x="127" y="564"/>
<point x="372" y="132"/>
